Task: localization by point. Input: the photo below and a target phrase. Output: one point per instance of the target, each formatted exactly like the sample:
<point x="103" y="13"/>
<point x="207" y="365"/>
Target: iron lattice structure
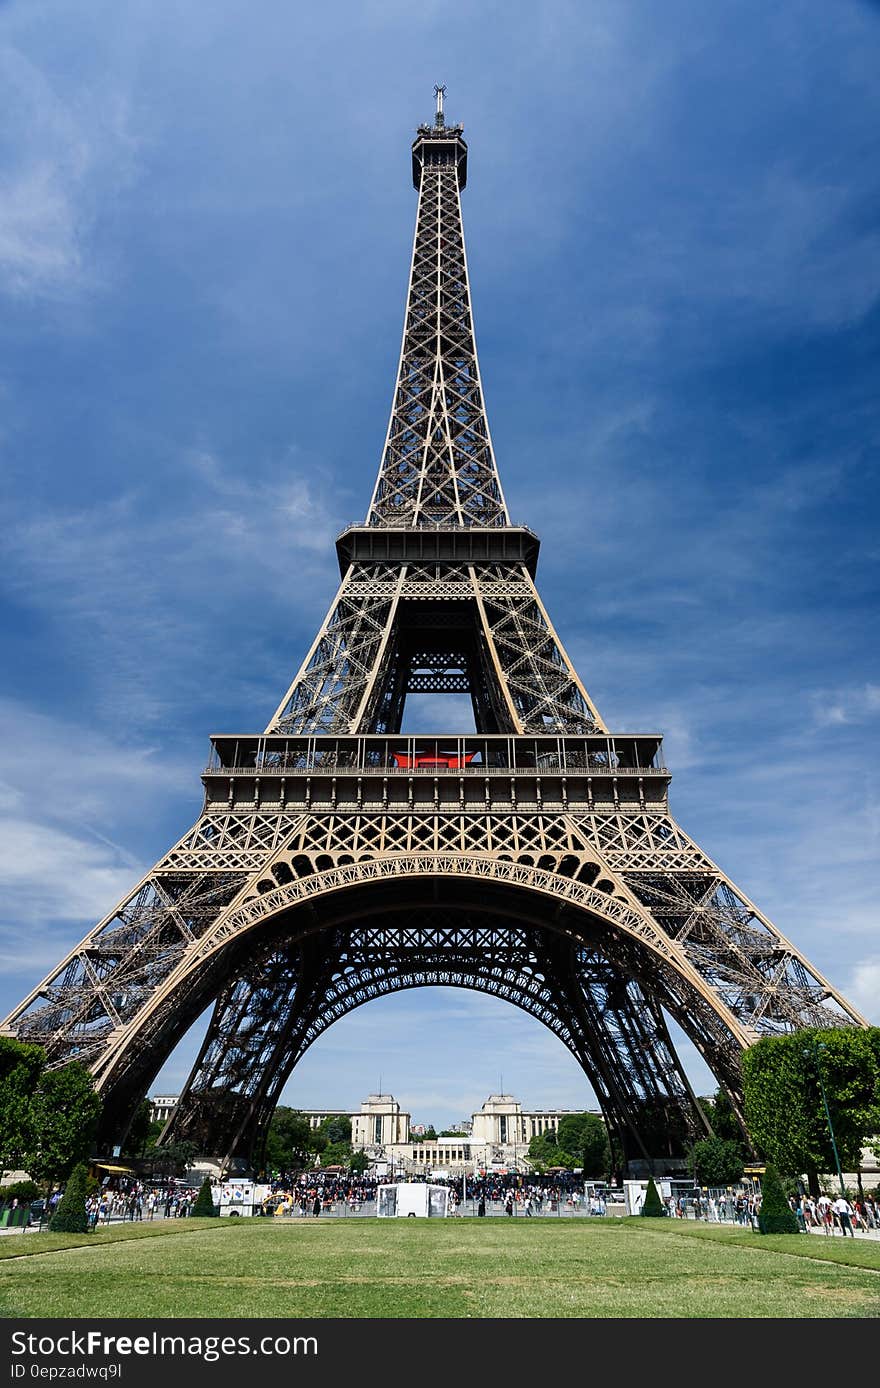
<point x="336" y="860"/>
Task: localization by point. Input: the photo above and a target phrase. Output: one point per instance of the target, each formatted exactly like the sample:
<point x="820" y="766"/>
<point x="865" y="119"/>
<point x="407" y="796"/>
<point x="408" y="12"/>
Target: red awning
<point x="447" y="761"/>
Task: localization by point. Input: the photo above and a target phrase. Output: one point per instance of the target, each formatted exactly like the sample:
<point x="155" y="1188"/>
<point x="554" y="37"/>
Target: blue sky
<point x="672" y="219"/>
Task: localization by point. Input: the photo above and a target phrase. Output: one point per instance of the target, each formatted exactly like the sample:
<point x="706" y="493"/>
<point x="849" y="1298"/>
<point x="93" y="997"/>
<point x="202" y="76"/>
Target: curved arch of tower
<point x="337" y="860"/>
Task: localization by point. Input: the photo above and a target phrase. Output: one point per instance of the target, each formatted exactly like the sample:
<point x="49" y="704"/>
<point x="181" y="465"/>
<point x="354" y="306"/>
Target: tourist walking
<point x="843" y="1210"/>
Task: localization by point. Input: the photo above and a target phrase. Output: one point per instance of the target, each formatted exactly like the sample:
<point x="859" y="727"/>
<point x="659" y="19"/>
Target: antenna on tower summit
<point x="439" y="92"/>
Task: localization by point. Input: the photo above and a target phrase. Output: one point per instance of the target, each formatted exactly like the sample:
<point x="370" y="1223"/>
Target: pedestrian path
<point x="857" y="1233"/>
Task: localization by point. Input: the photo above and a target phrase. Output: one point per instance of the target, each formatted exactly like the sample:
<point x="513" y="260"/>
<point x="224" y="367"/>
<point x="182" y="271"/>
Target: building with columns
<point x="317" y="1116"/>
<point x="162" y="1106"/>
<point x="502" y="1119"/>
<point x="380" y="1123"/>
<point x="498" y="1137"/>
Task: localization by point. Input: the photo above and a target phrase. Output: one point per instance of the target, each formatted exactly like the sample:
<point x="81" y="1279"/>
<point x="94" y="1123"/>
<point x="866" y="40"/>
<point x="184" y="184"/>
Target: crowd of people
<point x="140" y="1202"/>
<point x="532" y="1195"/>
<point x="832" y="1215"/>
<point x="316" y="1193"/>
<point x="501" y="1188"/>
<point x="132" y="1200"/>
<point x="319" y="1192"/>
<point x="836" y="1216"/>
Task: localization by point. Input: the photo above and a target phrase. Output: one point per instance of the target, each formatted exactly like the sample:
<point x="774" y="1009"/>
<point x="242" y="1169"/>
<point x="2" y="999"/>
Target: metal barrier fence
<point x="712" y="1206"/>
<point x="577" y="1207"/>
<point x="716" y="1206"/>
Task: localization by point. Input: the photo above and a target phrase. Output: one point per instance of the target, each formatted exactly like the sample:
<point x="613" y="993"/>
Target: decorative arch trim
<point x="256" y="909"/>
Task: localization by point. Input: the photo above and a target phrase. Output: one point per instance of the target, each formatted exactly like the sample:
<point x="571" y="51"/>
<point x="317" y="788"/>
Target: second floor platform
<point x="435" y="771"/>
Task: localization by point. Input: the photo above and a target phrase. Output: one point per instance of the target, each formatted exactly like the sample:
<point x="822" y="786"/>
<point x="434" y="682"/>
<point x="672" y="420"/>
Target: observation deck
<point x="473" y="772"/>
<point x="460" y="544"/>
<point x="439" y="144"/>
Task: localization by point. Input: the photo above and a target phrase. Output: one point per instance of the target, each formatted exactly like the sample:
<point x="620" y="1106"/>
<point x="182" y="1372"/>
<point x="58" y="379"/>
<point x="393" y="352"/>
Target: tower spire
<point x="437" y="501"/>
<point x="438" y="468"/>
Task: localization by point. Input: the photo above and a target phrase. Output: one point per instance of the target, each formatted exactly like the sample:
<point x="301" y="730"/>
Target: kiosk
<point x="412" y="1200"/>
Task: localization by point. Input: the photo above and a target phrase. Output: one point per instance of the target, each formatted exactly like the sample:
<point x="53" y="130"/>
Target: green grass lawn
<point x="421" y="1268"/>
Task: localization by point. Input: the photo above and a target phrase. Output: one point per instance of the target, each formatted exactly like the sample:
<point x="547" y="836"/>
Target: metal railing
<point x="332" y="768"/>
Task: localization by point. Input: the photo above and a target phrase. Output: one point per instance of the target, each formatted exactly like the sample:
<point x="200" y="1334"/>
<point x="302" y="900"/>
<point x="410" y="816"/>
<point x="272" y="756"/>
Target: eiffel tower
<point x="337" y="860"/>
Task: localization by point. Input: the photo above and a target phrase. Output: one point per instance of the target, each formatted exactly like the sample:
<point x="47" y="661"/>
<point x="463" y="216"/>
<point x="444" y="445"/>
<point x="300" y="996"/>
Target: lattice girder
<point x="603" y="1017"/>
<point x="438" y="467"/>
<point x="176" y="918"/>
<point x="351" y="680"/>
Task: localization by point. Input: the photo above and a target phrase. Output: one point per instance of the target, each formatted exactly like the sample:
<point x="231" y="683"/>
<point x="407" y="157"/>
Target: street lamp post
<point x="813" y="1052"/>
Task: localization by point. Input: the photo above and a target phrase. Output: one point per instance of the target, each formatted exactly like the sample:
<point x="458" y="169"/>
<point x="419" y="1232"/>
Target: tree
<point x="584" y="1139"/>
<point x="139" y="1130"/>
<point x="722" y="1119"/>
<point x="66" y="1111"/>
<point x="775" y="1215"/>
<point x="204" y="1205"/>
<point x="48" y="1118"/>
<point x="725" y="1123"/>
<point x="20" y="1069"/>
<point x="23" y="1191"/>
<point x="543" y="1150"/>
<point x="287" y="1142"/>
<point x="716" y="1162"/>
<point x="317" y="1140"/>
<point x="652" y="1206"/>
<point x="70" y="1216"/>
<point x="359" y="1163"/>
<point x="337" y="1129"/>
<point x="617" y="1159"/>
<point x="154" y="1133"/>
<point x="336" y="1154"/>
<point x="783" y="1096"/>
<point x="174" y="1158"/>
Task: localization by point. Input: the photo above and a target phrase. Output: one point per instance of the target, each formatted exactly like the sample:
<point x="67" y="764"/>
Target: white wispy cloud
<point x="864" y="988"/>
<point x="62" y="158"/>
<point x="834" y="708"/>
<point x="142" y="597"/>
<point x="49" y="876"/>
<point x="72" y="836"/>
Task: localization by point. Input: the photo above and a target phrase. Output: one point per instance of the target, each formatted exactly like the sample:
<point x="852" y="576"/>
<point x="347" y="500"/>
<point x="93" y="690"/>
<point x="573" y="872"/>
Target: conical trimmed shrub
<point x="653" y="1206"/>
<point x="204" y="1205"/>
<point x="70" y="1214"/>
<point x="775" y="1215"/>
